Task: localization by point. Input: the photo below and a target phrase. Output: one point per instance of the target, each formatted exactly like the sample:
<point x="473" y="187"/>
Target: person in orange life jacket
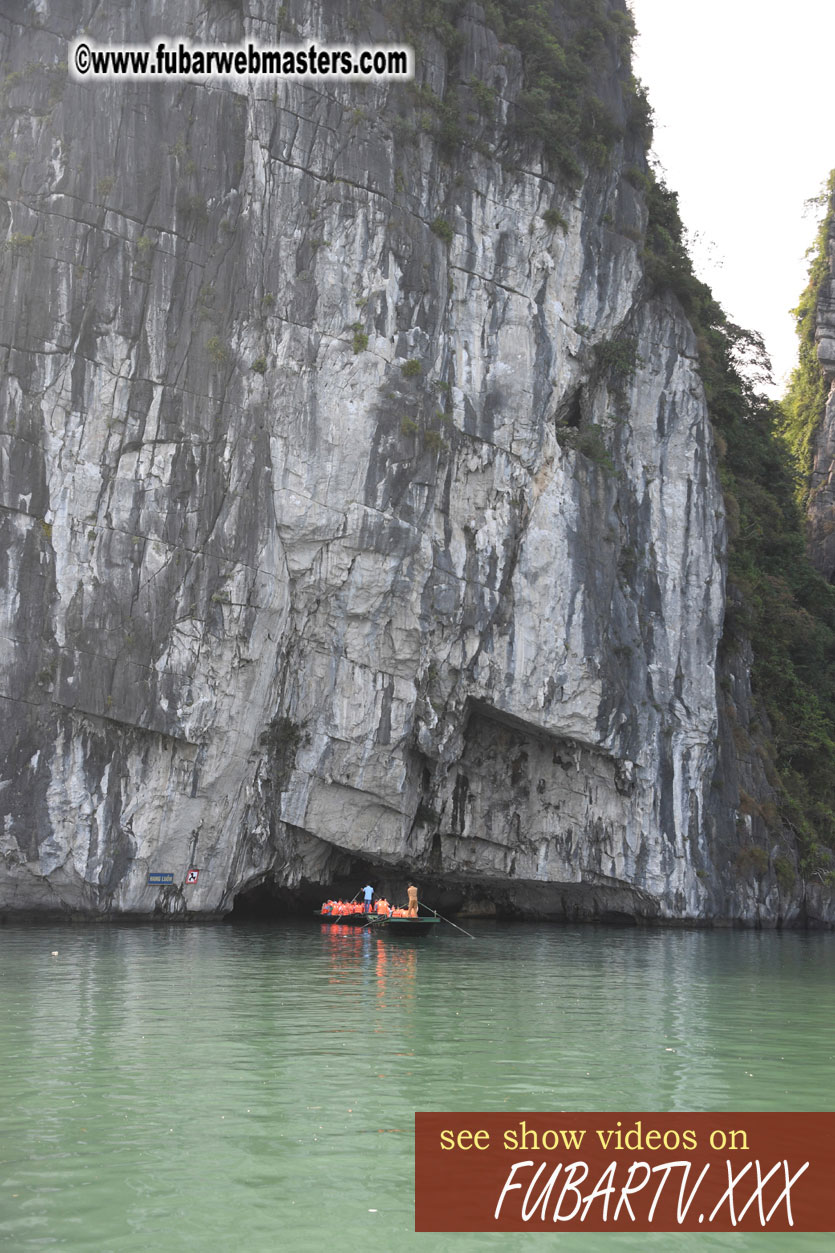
<point x="368" y="893"/>
<point x="413" y="901"/>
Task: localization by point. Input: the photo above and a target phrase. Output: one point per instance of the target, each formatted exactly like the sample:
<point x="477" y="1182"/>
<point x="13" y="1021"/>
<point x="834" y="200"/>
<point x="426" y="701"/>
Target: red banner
<point x="624" y="1172"/>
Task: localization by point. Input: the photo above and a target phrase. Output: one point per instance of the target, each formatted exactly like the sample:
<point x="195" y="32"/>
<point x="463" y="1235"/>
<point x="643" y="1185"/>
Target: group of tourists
<point x="409" y="912"/>
<point x="370" y="905"/>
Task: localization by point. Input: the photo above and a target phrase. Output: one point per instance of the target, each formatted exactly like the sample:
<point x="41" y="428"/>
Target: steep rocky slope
<point x="359" y="501"/>
<point x="821" y="507"/>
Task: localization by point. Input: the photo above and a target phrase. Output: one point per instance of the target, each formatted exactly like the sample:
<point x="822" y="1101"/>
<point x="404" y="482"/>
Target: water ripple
<point x="190" y="1088"/>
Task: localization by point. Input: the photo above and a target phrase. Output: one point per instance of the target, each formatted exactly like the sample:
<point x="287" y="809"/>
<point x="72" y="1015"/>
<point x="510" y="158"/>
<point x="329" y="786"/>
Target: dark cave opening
<point x="518" y="900"/>
<point x="571" y="411"/>
<point x="269" y="900"/>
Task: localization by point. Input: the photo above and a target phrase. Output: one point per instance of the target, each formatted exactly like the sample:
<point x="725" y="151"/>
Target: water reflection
<point x="216" y="1084"/>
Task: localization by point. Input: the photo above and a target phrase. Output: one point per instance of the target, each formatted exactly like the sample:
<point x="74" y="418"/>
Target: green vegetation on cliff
<point x="569" y="53"/>
<point x="775" y="597"/>
<point x="559" y="107"/>
<point x="805" y="399"/>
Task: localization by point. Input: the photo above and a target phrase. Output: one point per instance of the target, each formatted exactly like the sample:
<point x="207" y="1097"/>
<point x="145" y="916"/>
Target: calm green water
<point x="254" y="1088"/>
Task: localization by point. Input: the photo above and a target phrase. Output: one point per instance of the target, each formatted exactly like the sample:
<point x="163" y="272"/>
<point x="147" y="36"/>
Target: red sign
<point x="624" y="1172"/>
<point x="191" y="876"/>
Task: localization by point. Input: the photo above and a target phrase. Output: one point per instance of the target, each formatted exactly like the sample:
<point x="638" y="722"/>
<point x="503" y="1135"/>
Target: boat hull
<point x="406" y="926"/>
<point x="349" y="920"/>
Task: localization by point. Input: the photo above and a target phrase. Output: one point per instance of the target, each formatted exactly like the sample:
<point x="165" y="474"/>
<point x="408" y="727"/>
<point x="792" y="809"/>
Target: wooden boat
<point x="393" y="921"/>
<point x="351" y="920"/>
<point x="421" y="925"/>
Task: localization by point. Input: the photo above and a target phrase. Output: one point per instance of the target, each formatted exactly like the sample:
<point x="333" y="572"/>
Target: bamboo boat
<point x="351" y="918"/>
<point x="420" y="925"/>
<point x="392" y="921"/>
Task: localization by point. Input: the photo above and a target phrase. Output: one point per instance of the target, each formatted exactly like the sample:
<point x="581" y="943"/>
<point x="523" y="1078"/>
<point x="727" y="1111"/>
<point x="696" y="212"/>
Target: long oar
<point x="452" y="924"/>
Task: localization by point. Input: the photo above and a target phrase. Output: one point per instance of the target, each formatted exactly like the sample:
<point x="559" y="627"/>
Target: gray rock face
<point x="821" y="510"/>
<point x="349" y="508"/>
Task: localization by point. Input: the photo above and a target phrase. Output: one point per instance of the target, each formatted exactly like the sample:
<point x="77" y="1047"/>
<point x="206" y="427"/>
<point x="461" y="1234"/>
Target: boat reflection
<point x="396" y="971"/>
<point x="344" y="930"/>
<point x="350" y="948"/>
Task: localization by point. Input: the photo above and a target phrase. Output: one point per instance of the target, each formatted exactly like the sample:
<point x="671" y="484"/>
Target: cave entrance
<point x="452" y="896"/>
<point x="269" y="901"/>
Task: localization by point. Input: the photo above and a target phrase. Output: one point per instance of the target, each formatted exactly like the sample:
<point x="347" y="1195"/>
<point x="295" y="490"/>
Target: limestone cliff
<point x="357" y="499"/>
<point x="821" y="506"/>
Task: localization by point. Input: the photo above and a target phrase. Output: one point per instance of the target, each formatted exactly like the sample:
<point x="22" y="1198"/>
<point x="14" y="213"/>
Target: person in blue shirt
<point x="368" y="893"/>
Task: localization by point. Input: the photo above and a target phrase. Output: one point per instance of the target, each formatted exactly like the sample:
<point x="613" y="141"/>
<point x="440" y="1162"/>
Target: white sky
<point x="743" y="94"/>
